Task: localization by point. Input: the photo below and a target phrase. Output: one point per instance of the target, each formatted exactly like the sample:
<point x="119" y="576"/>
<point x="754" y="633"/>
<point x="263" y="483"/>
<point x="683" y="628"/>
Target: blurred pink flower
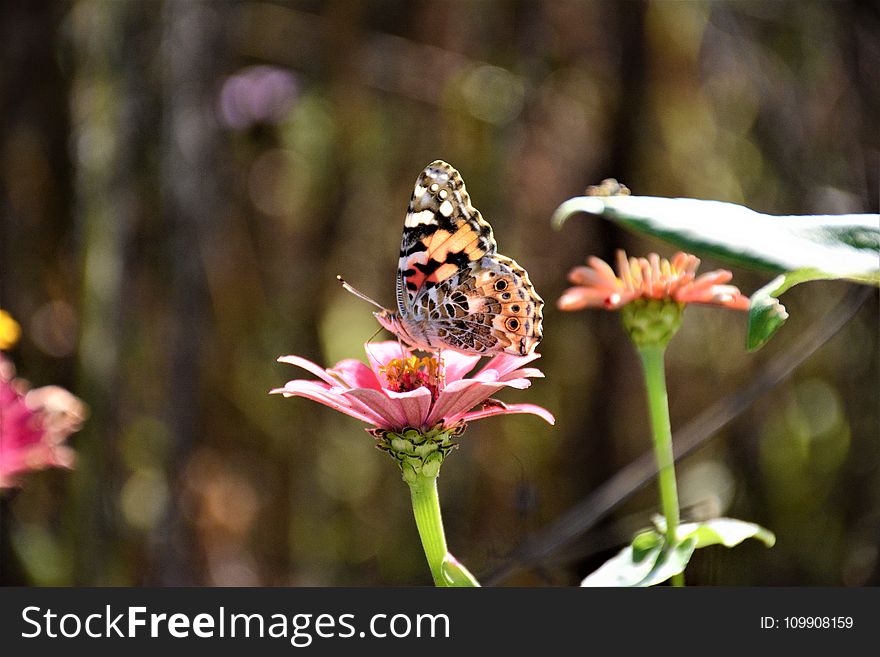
<point x="398" y="391"/>
<point x="596" y="286"/>
<point x="34" y="425"/>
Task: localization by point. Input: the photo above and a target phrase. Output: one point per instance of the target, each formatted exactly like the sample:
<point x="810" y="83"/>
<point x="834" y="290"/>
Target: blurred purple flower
<point x="257" y="94"/>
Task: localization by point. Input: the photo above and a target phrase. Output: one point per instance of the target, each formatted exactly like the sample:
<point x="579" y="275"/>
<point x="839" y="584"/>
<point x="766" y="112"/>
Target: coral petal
<point x="578" y="298"/>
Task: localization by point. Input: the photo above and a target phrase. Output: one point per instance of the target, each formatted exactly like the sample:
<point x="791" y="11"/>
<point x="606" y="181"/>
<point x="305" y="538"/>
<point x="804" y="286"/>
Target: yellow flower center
<point x="406" y="374"/>
<point x="9" y="330"/>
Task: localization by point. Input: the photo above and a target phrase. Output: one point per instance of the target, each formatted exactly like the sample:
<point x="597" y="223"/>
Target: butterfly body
<point x="454" y="291"/>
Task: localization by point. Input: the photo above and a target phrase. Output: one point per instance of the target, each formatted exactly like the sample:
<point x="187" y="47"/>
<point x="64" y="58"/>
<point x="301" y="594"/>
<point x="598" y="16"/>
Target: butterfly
<point x="454" y="290"/>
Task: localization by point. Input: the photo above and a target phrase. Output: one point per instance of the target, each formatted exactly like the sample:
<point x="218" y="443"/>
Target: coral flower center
<point x="406" y="374"/>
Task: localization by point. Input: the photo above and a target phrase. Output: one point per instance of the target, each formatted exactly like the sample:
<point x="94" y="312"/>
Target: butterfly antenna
<point x="378" y="331"/>
<point x="369" y="343"/>
<point x="358" y="293"/>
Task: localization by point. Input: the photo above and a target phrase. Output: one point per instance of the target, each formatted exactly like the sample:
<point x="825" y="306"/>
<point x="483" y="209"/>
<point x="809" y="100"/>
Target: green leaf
<point x="841" y="246"/>
<point x="801" y="247"/>
<point x="643" y="566"/>
<point x="766" y="313"/>
<point x="625" y="569"/>
<point x="647" y="561"/>
<point x="455" y="574"/>
<point x="670" y="562"/>
<point x="724" y="531"/>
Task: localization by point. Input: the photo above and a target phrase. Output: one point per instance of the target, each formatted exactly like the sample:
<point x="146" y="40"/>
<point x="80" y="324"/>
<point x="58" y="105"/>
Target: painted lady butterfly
<point x="454" y="290"/>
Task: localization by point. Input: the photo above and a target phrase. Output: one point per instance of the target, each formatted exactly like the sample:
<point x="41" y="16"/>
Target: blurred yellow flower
<point x="10" y="331"/>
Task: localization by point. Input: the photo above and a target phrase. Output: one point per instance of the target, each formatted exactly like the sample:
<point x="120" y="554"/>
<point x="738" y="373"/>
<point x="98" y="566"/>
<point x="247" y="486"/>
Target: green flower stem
<point x="658" y="405"/>
<point x="445" y="570"/>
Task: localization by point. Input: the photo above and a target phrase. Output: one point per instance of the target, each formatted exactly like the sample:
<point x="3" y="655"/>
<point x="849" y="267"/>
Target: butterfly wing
<point x="488" y="307"/>
<point x="442" y="234"/>
<point x="453" y="289"/>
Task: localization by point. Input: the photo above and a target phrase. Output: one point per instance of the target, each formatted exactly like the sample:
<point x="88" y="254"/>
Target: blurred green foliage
<point x="181" y="182"/>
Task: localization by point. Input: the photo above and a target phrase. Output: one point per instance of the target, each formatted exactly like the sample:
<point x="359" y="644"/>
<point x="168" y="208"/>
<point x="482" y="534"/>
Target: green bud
<point x="644" y="543"/>
<point x="652" y="322"/>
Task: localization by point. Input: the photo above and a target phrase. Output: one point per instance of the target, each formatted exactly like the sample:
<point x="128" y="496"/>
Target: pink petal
<point x="356" y="374"/>
<point x="415" y="405"/>
<point x="456" y="365"/>
<point x="335" y="400"/>
<point x="309" y="366"/>
<point x="390" y="410"/>
<point x="459" y="397"/>
<point x="525" y="372"/>
<point x="517" y="378"/>
<point x="510" y="409"/>
<point x="502" y="365"/>
<point x="380" y="353"/>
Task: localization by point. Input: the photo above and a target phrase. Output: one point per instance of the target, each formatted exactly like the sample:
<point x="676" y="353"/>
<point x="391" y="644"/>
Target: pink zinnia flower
<point x="596" y="286"/>
<point x="34" y="425"/>
<point x="399" y="391"/>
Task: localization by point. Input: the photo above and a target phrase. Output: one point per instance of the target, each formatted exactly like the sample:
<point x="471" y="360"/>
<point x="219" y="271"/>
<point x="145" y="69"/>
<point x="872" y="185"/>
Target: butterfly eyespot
<point x="515" y="308"/>
<point x="512" y="323"/>
<point x="501" y="285"/>
<point x="506" y="296"/>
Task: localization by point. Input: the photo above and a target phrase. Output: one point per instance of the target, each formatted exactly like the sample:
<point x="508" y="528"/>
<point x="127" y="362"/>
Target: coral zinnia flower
<point x="649" y="278"/>
<point x="34" y="425"/>
<point x="399" y="391"/>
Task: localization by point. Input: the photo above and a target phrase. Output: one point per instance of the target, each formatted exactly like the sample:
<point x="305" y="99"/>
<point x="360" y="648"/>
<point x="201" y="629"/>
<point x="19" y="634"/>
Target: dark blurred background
<point x="180" y="182"/>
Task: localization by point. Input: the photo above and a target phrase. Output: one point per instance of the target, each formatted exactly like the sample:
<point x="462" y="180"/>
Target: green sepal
<point x="418" y="453"/>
